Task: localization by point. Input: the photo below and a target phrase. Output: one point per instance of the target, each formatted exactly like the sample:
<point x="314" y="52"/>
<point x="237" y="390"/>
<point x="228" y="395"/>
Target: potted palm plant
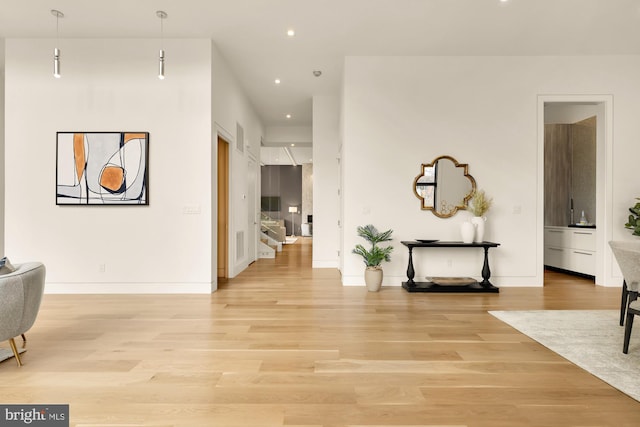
<point x="374" y="256"/>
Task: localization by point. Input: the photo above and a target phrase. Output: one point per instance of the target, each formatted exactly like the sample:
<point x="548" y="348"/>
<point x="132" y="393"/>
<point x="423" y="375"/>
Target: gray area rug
<point x="592" y="339"/>
<point x="6" y="353"/>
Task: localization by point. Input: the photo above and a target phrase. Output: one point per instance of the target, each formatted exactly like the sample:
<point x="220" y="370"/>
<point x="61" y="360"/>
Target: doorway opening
<point x="575" y="145"/>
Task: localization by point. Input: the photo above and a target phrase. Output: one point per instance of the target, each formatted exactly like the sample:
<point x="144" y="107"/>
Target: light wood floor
<point x="285" y="345"/>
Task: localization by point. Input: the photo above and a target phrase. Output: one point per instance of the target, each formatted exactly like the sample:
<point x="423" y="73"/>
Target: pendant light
<point x="162" y="15"/>
<point x="56" y="50"/>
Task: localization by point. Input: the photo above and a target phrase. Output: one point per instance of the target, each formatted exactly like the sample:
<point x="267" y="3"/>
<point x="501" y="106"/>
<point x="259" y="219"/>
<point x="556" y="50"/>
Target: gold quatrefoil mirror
<point x="444" y="186"/>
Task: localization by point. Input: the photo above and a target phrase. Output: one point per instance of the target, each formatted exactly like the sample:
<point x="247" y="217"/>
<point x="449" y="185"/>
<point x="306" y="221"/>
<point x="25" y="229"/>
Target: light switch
<point x="191" y="210"/>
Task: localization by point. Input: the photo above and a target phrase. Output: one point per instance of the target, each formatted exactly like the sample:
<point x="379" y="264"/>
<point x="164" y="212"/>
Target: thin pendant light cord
<point x="162" y="32"/>
<point x="56" y="49"/>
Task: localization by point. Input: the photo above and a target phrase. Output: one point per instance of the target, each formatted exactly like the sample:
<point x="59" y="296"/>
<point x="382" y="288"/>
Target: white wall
<point x="400" y="112"/>
<point x="569" y="113"/>
<point x="326" y="207"/>
<point x="111" y="85"/>
<point x="231" y="106"/>
<point x="2" y="146"/>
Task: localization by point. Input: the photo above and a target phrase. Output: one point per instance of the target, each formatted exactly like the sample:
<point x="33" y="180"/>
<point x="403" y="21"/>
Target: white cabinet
<point x="570" y="248"/>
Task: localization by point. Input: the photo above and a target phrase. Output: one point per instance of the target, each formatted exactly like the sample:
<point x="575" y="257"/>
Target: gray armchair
<point x="627" y="255"/>
<point x="20" y="296"/>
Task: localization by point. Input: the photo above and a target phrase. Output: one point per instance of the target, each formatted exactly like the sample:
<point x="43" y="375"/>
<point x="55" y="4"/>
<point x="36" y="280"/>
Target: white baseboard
<point x="324" y="264"/>
<point x="128" y="288"/>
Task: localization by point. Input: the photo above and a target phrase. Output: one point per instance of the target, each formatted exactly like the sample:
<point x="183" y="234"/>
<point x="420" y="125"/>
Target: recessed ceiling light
<point x="291" y="33"/>
<point x="293" y="145"/>
<point x="277" y="81"/>
<point x="288" y="116"/>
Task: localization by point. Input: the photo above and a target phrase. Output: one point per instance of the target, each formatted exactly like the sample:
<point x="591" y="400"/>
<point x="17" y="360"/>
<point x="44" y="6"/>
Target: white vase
<point x="468" y="231"/>
<point x="478" y="223"/>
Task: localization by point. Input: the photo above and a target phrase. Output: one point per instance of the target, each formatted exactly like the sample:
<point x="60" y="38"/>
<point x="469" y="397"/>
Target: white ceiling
<point x="279" y="155"/>
<point x="251" y="34"/>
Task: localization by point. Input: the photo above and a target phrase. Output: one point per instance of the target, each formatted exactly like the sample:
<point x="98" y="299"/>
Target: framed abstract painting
<point x="102" y="168"/>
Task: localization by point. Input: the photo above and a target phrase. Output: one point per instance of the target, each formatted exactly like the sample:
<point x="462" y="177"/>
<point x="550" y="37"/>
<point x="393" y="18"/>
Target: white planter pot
<point x="467" y="231"/>
<point x="478" y="223"/>
<point x="373" y="278"/>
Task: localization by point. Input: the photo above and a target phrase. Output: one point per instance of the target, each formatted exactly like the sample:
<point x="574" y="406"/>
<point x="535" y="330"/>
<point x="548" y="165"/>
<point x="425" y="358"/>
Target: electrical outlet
<point x="102" y="268"/>
<point x="449" y="263"/>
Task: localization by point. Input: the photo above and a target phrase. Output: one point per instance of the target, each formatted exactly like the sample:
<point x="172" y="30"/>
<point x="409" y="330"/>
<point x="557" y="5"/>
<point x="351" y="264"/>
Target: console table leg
<point x="410" y="271"/>
<point x="486" y="271"/>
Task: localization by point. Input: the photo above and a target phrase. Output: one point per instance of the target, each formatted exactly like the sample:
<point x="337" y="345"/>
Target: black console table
<point x="450" y="284"/>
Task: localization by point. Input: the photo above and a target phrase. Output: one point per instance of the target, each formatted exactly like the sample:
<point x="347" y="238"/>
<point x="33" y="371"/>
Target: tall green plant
<point x="634" y="219"/>
<point x="373" y="257"/>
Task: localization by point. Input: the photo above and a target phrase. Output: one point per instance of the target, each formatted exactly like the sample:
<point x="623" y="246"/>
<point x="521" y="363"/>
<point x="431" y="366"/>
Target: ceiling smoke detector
<point x="317" y="73"/>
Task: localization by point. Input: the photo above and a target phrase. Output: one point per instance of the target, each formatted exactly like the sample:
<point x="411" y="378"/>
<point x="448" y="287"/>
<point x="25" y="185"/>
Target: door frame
<point x="253" y="215"/>
<point x="604" y="184"/>
<point x="222" y="211"/>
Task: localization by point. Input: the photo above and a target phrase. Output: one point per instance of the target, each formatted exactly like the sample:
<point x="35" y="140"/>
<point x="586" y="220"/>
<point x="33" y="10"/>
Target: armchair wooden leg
<point x="627" y="331"/>
<point x="12" y="343"/>
<point x="624" y="302"/>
